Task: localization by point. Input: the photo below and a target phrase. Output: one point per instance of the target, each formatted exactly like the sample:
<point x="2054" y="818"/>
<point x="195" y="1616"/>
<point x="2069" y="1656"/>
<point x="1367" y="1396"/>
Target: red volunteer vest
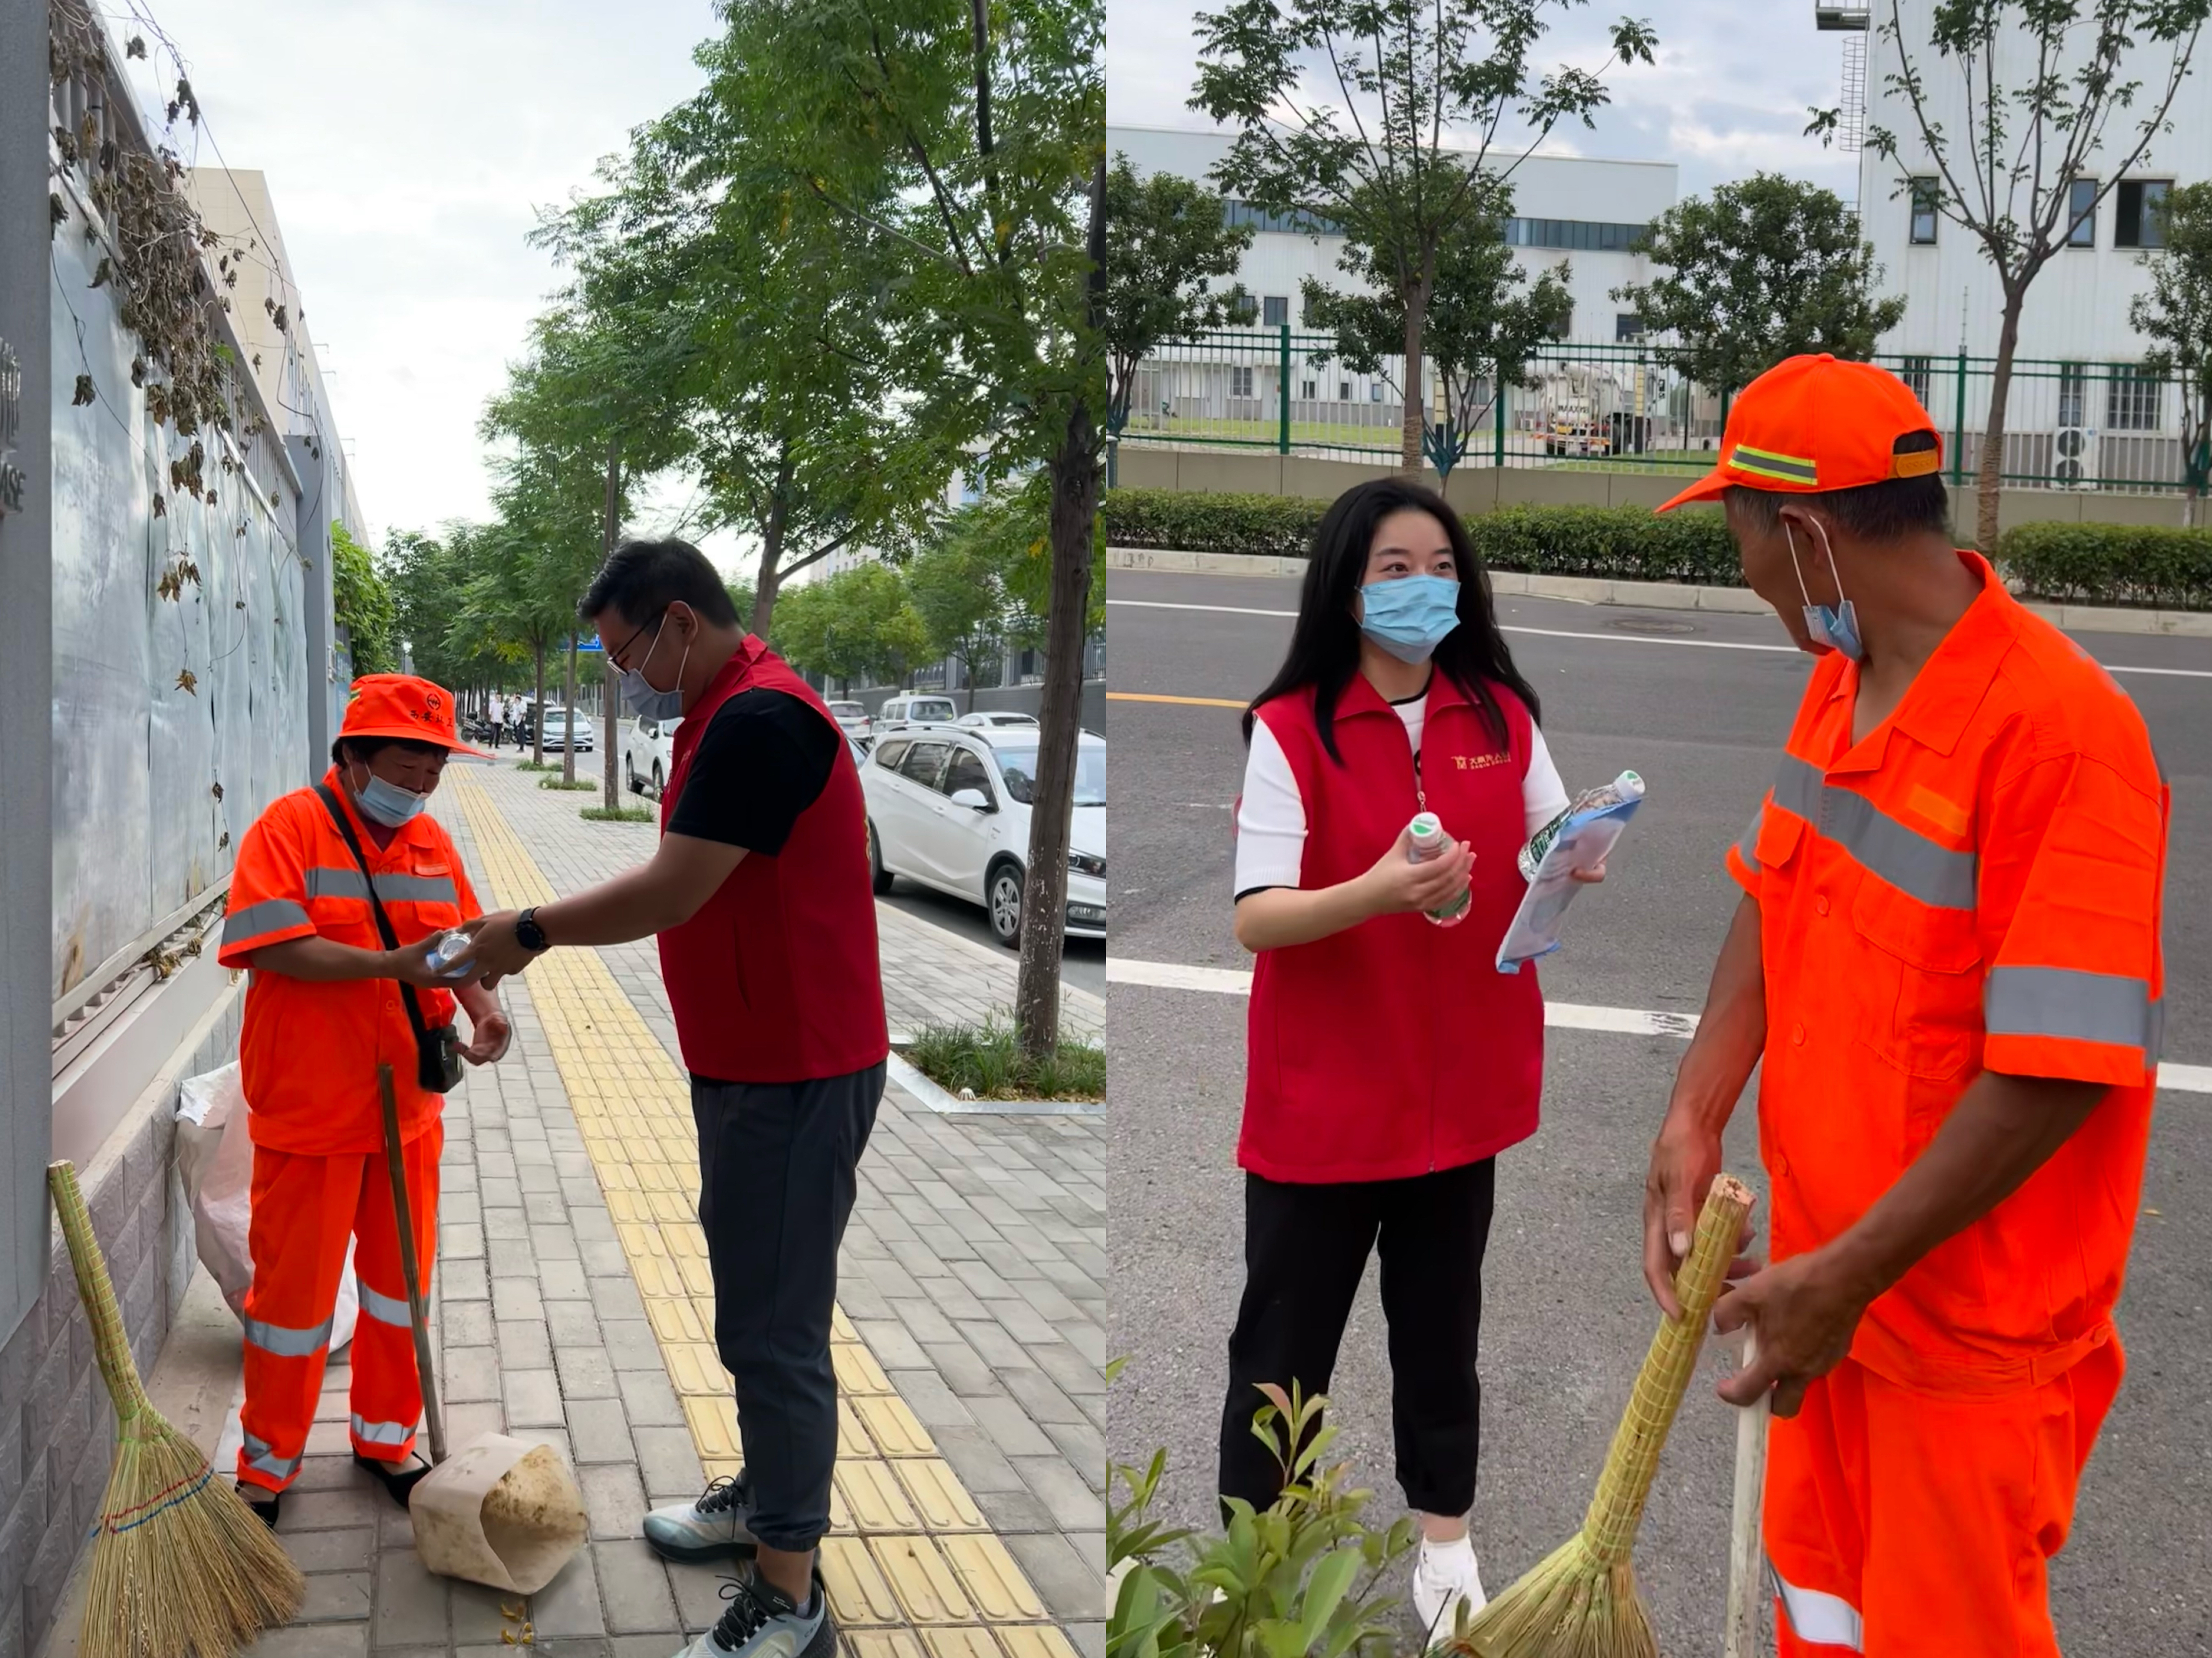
<point x="776" y="979"/>
<point x="1397" y="1047"/>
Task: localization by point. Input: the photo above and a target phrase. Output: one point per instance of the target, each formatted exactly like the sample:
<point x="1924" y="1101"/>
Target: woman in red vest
<point x="1390" y="1061"/>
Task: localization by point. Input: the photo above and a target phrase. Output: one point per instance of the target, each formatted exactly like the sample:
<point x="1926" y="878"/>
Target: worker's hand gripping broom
<point x="181" y="1567"/>
<point x="1582" y="1601"/>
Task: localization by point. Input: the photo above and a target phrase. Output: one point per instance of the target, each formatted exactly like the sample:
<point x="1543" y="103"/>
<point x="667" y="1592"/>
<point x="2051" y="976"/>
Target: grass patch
<point x="960" y="1056"/>
<point x="619" y="815"/>
<point x="536" y="765"/>
<point x="593" y="784"/>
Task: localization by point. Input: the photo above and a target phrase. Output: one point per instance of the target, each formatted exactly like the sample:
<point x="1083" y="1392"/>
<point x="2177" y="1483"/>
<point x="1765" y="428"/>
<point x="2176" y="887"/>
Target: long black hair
<point x="1325" y="644"/>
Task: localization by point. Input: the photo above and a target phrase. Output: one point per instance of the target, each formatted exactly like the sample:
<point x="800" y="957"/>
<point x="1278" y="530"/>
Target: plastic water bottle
<point x="1624" y="788"/>
<point x="1429" y="840"/>
<point x="452" y="946"/>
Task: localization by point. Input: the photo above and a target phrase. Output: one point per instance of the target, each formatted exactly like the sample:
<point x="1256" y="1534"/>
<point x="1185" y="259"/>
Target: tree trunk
<point x="610" y="721"/>
<point x="1989" y="475"/>
<point x="538" y="711"/>
<point x="770" y="578"/>
<point x="568" y="735"/>
<point x="1417" y="410"/>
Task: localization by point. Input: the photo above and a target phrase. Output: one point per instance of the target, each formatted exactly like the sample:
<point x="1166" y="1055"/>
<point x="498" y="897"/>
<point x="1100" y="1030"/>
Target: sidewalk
<point x="573" y="1303"/>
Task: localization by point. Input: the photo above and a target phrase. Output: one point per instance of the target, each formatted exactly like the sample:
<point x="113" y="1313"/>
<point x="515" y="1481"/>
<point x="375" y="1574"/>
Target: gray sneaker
<point x="712" y="1527"/>
<point x="762" y="1623"/>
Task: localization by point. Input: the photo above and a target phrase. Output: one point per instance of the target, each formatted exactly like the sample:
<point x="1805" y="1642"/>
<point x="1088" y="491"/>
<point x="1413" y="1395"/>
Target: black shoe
<point x="265" y="1508"/>
<point x="398" y="1483"/>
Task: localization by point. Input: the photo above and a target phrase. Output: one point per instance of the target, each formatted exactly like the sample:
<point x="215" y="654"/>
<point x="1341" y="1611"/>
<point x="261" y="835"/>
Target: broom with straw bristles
<point x="181" y="1567"/>
<point x="1582" y="1601"/>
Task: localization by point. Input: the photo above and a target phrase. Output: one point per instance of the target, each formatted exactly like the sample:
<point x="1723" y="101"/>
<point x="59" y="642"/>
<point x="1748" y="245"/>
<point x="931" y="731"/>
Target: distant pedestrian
<point x="760" y="893"/>
<point x="1390" y="1061"/>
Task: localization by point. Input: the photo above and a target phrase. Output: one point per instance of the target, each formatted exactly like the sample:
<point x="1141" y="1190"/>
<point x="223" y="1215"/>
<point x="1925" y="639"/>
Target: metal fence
<point x="1616" y="405"/>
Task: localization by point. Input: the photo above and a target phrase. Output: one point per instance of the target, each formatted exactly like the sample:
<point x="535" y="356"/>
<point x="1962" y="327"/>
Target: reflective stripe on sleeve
<point x="418" y="889"/>
<point x="262" y="1458"/>
<point x="1747" y="843"/>
<point x="283" y="1343"/>
<point x="381" y="1433"/>
<point x="258" y="921"/>
<point x="329" y="882"/>
<point x="385" y="1309"/>
<point x="2073" y="1006"/>
<point x="1900" y="855"/>
<point x="1823" y="1620"/>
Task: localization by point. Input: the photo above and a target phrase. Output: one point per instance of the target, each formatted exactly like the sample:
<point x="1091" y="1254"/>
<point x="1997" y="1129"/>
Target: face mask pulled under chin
<point x="1832" y="627"/>
<point x="387" y="803"/>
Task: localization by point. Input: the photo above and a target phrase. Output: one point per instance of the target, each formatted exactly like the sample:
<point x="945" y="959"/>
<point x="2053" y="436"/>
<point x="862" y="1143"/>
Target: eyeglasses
<point x="620" y="657"/>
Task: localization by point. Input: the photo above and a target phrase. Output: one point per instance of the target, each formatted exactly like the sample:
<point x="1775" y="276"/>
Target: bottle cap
<point x="1427" y="826"/>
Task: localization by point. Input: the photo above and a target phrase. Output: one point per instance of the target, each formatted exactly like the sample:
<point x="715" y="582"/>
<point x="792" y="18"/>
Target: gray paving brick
<point x="523" y="1344"/>
<point x="569" y="1604"/>
<point x="348" y="1550"/>
<point x="585" y="1372"/>
<point x="517" y="1299"/>
<point x="964" y="1372"/>
<point x="976" y="1458"/>
<point x="930" y="1399"/>
<point x="1010" y="1427"/>
<point x="572" y="1322"/>
<point x="1071" y="1497"/>
<point x="505" y="1225"/>
<point x="564" y="1280"/>
<point x="410" y="1603"/>
<point x="892" y="1343"/>
<point x="631" y="1346"/>
<point x="469" y="1372"/>
<point x="996" y="1345"/>
<point x="312" y="1641"/>
<point x="1083" y="1446"/>
<point x="1066" y="1581"/>
<point x="614" y="1497"/>
<point x="634" y="1584"/>
<point x="1074" y="1374"/>
<point x="533" y="1398"/>
<point x="1015" y="1511"/>
<point x="336" y="1597"/>
<point x="1044" y="1402"/>
<point x="648" y="1400"/>
<point x="669" y="1463"/>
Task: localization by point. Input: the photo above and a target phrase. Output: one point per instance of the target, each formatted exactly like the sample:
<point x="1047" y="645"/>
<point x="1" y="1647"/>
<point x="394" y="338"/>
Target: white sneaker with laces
<point x="1445" y="1575"/>
<point x="711" y="1527"/>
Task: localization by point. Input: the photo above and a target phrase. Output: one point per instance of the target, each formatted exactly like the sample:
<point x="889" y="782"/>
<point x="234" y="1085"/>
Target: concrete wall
<point x="1485" y="488"/>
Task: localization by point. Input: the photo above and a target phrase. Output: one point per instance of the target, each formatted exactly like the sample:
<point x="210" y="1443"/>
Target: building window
<point x="1574" y="234"/>
<point x="1565" y="323"/>
<point x="2072" y="377"/>
<point x="2081" y="213"/>
<point x="1309" y="393"/>
<point x="1374" y="392"/>
<point x="1240" y="381"/>
<point x="2131" y="399"/>
<point x="1924" y="197"/>
<point x="1343" y="391"/>
<point x="1916" y="378"/>
<point x="1627" y="325"/>
<point x="2139" y="218"/>
<point x="1275" y="311"/>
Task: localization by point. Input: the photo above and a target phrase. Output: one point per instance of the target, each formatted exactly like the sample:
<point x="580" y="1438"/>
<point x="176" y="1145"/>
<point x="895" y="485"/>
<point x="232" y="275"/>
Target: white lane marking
<point x="1616" y="638"/>
<point x="1560" y="1016"/>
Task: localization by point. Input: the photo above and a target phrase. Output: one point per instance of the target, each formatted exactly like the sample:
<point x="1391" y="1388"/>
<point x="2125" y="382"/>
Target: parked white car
<point x="852" y="719"/>
<point x="915" y="708"/>
<point x="950" y="808"/>
<point x="985" y="719"/>
<point x="648" y="756"/>
<point x="560" y="723"/>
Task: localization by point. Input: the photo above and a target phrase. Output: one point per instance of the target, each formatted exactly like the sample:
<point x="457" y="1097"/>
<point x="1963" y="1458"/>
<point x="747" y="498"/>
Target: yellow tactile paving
<point x="912" y="1568"/>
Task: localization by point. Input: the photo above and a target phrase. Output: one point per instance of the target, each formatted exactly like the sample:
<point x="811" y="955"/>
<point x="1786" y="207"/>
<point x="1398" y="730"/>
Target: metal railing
<point x="1616" y="405"/>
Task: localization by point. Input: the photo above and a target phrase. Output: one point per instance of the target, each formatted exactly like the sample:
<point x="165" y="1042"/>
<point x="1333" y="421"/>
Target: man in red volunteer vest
<point x="760" y="896"/>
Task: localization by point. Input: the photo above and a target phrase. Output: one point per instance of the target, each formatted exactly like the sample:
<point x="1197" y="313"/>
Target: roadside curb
<point x="1650" y="595"/>
<point x="927" y="1094"/>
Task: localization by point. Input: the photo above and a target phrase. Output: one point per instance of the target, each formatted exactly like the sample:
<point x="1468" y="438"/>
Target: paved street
<point x="572" y="1304"/>
<point x="1567" y="1316"/>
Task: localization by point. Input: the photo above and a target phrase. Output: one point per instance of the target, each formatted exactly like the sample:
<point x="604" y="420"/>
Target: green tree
<point x="2176" y="316"/>
<point x="507" y="608"/>
<point x="1168" y="243"/>
<point x="2009" y="102"/>
<point x="1484" y="318"/>
<point x="1767" y="268"/>
<point x="428" y="577"/>
<point x="1395" y="149"/>
<point x="361" y="603"/>
<point x="958" y="587"/>
<point x="958" y="147"/>
<point x="859" y="621"/>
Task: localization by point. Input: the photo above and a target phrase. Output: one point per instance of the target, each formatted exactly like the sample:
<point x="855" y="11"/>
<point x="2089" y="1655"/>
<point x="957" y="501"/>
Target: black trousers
<point x="776" y="1184"/>
<point x="1305" y="1251"/>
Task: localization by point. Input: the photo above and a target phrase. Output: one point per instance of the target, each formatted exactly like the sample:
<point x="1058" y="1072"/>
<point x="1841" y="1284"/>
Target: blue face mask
<point x="1409" y="615"/>
<point x="638" y="693"/>
<point x="387" y="803"/>
<point x="1835" y="626"/>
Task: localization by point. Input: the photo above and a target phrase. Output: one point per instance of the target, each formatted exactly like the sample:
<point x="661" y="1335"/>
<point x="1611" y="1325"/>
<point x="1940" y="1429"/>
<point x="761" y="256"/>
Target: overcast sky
<point x="1726" y="99"/>
<point x="407" y="144"/>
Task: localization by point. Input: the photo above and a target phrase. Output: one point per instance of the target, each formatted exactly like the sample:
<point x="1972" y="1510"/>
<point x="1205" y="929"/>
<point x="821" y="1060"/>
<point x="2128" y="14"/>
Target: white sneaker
<point x="712" y="1527"/>
<point x="1445" y="1575"/>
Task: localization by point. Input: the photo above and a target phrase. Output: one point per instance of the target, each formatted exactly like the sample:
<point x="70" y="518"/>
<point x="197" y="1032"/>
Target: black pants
<point x="777" y="1185"/>
<point x="1305" y="1251"/>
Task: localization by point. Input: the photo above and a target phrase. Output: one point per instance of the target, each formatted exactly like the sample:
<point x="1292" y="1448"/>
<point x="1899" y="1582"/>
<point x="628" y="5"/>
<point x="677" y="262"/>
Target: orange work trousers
<point x="1902" y="1524"/>
<point x="305" y="1210"/>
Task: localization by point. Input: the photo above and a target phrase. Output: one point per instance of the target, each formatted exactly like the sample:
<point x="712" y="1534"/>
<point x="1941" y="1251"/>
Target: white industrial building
<point x="2078" y="411"/>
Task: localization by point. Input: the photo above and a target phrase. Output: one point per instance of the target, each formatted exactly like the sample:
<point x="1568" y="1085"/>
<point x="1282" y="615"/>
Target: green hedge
<point x="1613" y="543"/>
<point x="2154" y="565"/>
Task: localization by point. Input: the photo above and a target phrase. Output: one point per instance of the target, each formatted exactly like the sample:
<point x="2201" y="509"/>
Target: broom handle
<point x="1609" y="1528"/>
<point x="109" y="1343"/>
<point x="1745" y="1553"/>
<point x="417" y="1315"/>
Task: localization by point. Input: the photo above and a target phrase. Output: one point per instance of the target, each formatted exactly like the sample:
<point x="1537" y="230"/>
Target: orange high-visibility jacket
<point x="309" y="1052"/>
<point x="1977" y="885"/>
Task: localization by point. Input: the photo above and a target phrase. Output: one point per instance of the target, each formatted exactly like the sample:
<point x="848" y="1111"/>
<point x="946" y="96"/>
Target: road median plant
<point x="618" y="815"/>
<point x="536" y="765"/>
<point x="577" y="784"/>
<point x="987" y="1060"/>
<point x="2154" y="567"/>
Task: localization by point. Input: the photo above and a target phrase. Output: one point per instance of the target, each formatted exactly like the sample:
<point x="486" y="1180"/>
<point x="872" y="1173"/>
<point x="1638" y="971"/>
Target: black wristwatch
<point x="527" y="933"/>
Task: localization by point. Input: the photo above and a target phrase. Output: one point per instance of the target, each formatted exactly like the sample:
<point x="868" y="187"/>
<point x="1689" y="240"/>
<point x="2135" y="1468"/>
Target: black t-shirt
<point x="764" y="758"/>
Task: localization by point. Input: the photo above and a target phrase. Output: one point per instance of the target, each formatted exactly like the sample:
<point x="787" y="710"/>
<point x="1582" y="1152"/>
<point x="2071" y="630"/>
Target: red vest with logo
<point x="776" y="979"/>
<point x="1397" y="1047"/>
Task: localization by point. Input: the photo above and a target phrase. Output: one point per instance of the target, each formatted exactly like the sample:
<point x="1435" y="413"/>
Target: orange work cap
<point x="1817" y="423"/>
<point x="400" y="705"/>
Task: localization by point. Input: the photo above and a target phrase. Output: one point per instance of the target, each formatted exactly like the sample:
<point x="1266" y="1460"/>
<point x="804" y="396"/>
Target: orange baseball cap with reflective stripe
<point x="1815" y="423"/>
<point x="402" y="706"/>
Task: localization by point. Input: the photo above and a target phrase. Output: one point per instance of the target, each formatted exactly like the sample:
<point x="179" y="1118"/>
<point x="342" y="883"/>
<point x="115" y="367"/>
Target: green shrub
<point x="619" y="815"/>
<point x="987" y="1061"/>
<point x="1618" y="544"/>
<point x="2148" y="565"/>
<point x="562" y="783"/>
